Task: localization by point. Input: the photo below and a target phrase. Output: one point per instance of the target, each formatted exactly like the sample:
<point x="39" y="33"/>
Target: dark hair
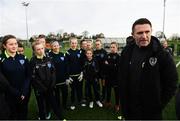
<point x="42" y="36"/>
<point x="83" y="40"/>
<point x="115" y="43"/>
<point x="140" y="21"/>
<point x="4" y="40"/>
<point x="129" y="39"/>
<point x="98" y="40"/>
<point x="20" y="44"/>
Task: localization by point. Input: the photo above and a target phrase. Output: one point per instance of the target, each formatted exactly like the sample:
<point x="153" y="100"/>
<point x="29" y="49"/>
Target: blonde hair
<point x="54" y="42"/>
<point x="72" y="38"/>
<point x="35" y="44"/>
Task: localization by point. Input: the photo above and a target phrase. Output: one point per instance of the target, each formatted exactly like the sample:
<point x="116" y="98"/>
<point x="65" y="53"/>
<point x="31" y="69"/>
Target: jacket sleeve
<point x="84" y="71"/>
<point x="6" y="87"/>
<point x="82" y="60"/>
<point x="53" y="72"/>
<point x="3" y="83"/>
<point x="104" y="66"/>
<point x="96" y="69"/>
<point x="27" y="81"/>
<point x="67" y="63"/>
<point x="169" y="77"/>
<point x="66" y="67"/>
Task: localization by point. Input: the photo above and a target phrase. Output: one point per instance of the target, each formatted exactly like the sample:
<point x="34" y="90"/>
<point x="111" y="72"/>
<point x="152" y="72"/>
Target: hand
<point x="106" y="62"/>
<point x="80" y="78"/>
<point x="69" y="81"/>
<point x="103" y="82"/>
<point x="22" y="97"/>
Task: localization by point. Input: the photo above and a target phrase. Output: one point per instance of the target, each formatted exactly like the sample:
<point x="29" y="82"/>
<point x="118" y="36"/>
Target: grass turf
<point x="85" y="113"/>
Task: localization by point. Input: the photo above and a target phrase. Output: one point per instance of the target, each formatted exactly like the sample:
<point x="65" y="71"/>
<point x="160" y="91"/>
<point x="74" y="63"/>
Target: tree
<point x="175" y="36"/>
<point x="51" y="37"/>
<point x="94" y="37"/>
<point x="160" y="35"/>
<point x="72" y="35"/>
<point x="101" y="35"/>
<point x="65" y="36"/>
<point x="33" y="38"/>
<point x="85" y="34"/>
<point x="1" y="38"/>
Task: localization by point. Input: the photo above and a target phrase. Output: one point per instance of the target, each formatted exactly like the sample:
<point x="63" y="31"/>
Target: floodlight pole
<point x="164" y="13"/>
<point x="25" y="4"/>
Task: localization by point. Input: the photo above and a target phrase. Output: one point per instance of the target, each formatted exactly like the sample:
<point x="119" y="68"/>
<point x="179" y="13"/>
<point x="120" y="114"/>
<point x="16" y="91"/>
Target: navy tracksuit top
<point x="16" y="71"/>
<point x="60" y="63"/>
<point x="101" y="56"/>
<point x="74" y="61"/>
<point x="112" y="67"/>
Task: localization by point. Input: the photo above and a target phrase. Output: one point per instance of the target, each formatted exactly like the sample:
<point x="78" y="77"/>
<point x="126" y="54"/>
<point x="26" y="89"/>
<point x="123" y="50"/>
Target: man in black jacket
<point x="147" y="75"/>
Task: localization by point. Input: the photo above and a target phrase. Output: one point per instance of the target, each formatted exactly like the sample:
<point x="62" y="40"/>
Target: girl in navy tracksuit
<point x="100" y="54"/>
<point x="111" y="79"/>
<point x="74" y="65"/>
<point x="15" y="68"/>
<point x="60" y="64"/>
<point x="43" y="80"/>
<point x="90" y="71"/>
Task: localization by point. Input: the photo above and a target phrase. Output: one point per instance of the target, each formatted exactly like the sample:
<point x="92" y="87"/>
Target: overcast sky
<point x="114" y="18"/>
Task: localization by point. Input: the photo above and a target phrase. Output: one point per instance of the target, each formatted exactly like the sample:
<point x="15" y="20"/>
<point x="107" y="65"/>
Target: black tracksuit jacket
<point x="90" y="70"/>
<point x="43" y="73"/>
<point x="112" y="68"/>
<point x="101" y="56"/>
<point x="158" y="81"/>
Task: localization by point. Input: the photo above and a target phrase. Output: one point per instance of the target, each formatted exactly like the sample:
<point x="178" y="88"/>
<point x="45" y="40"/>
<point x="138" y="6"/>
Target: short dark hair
<point x="114" y="43"/>
<point x="20" y="44"/>
<point x="42" y="36"/>
<point x="140" y="21"/>
<point x="98" y="40"/>
<point x="83" y="40"/>
<point x="129" y="39"/>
